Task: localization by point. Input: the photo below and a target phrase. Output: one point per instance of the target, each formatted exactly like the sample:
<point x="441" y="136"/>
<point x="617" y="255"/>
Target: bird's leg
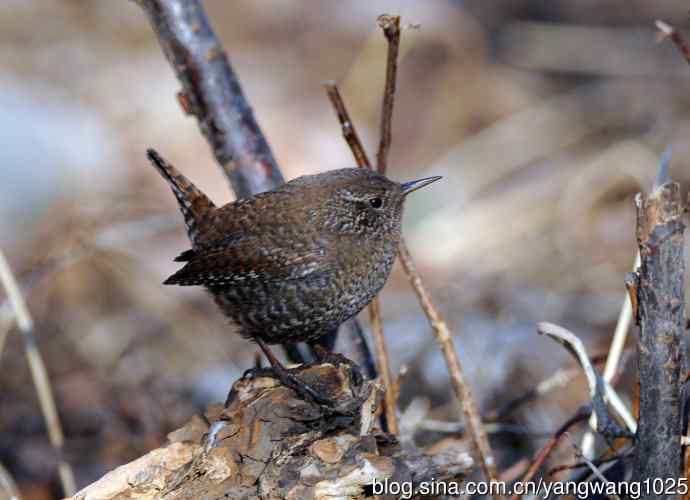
<point x="323" y="347"/>
<point x="290" y="380"/>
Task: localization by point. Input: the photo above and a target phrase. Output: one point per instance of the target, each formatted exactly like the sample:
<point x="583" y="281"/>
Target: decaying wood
<point x="267" y="444"/>
<point x="660" y="294"/>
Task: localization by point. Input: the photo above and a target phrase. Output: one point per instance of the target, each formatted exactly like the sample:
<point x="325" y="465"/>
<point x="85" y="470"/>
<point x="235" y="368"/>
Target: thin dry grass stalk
<point x="39" y="374"/>
<point x="391" y="29"/>
<point x="382" y="359"/>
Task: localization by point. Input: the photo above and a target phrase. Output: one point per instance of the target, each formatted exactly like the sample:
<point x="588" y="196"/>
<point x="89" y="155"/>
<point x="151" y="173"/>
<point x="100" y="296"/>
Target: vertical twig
<point x="391" y="30"/>
<point x="382" y="359"/>
<point x="661" y="313"/>
<point x="39" y="374"/>
<point x="391" y="27"/>
<point x="384" y="366"/>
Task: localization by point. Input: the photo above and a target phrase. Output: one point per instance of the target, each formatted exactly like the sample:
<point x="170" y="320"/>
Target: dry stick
<point x="599" y="389"/>
<point x="352" y="139"/>
<point x="668" y="31"/>
<point x="349" y="131"/>
<point x="457" y="378"/>
<point x="212" y="93"/>
<point x="661" y="313"/>
<point x="545" y="451"/>
<point x="39" y="374"/>
<point x="391" y="30"/>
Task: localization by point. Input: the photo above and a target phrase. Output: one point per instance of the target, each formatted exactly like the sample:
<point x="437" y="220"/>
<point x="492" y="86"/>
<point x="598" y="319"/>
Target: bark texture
<point x="661" y="316"/>
<point x="212" y="93"/>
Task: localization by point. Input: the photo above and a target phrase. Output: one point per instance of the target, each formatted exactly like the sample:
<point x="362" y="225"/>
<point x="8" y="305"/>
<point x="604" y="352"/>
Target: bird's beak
<point x="408" y="187"/>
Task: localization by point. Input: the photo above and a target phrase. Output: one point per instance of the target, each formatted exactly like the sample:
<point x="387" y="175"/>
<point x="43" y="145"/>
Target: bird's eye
<point x="376" y="203"/>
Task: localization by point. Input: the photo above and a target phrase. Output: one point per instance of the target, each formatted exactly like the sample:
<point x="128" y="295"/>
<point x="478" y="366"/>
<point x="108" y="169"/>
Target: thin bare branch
<point x="349" y="131"/>
<point x="391" y="30"/>
<point x="212" y="93"/>
<point x="39" y="374"/>
<point x="391" y="404"/>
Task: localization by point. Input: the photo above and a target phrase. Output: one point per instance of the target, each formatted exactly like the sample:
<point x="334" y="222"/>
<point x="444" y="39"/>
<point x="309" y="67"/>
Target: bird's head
<point x="361" y="202"/>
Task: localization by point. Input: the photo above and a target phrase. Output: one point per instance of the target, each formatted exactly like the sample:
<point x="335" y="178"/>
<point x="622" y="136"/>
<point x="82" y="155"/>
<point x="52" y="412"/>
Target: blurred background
<point x="545" y="119"/>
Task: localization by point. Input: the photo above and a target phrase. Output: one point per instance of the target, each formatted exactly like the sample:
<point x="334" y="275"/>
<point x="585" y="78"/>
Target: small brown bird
<point x="292" y="264"/>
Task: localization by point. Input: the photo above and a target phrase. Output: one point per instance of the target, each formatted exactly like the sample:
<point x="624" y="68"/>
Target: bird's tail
<point x="194" y="204"/>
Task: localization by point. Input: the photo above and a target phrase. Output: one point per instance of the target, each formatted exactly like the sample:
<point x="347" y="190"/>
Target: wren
<point x="292" y="264"/>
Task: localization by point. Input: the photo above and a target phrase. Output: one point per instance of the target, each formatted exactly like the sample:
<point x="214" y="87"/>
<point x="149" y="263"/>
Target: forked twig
<point x="382" y="359"/>
<point x="39" y="374"/>
<point x="439" y="327"/>
<point x="620" y="335"/>
<point x="599" y="389"/>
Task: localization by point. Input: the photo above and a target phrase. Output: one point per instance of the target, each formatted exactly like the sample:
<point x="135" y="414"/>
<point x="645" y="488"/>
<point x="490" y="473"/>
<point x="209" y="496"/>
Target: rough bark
<point x="661" y="316"/>
<point x="266" y="444"/>
<point x="212" y="93"/>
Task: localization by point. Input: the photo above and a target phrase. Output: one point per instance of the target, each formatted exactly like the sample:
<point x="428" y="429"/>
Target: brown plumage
<point x="292" y="264"/>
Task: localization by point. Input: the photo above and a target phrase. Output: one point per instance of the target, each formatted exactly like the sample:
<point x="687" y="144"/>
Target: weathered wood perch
<point x="661" y="315"/>
<point x="267" y="444"/>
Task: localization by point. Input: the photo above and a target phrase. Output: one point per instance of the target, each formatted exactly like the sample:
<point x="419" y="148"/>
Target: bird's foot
<point x="289" y="379"/>
<point x="304" y="390"/>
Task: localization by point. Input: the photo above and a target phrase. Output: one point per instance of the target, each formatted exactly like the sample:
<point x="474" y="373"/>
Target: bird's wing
<point x="248" y="261"/>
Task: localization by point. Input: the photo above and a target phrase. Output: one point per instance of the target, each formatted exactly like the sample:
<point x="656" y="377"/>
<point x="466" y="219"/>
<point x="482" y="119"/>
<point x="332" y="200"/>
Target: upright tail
<point x="194" y="204"/>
